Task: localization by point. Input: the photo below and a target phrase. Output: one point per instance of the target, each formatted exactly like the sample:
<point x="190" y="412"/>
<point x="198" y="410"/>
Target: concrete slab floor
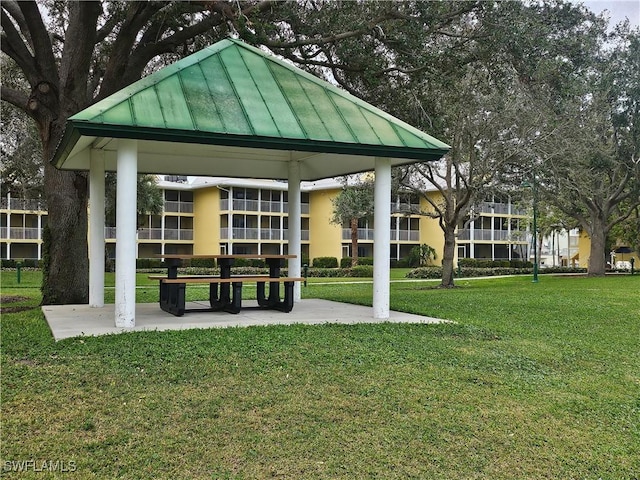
<point x="66" y="321"/>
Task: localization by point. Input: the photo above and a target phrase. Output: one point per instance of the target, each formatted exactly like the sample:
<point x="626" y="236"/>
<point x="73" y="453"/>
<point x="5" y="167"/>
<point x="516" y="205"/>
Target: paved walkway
<point x="68" y="321"/>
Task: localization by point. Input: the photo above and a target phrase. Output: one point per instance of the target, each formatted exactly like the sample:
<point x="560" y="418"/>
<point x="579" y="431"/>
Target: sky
<point x="617" y="10"/>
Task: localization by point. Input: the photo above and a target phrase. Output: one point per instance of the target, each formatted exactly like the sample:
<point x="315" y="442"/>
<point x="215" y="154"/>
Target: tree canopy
<point x="540" y="87"/>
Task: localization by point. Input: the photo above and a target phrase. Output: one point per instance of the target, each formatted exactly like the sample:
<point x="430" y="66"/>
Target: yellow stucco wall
<point x="325" y="238"/>
<point x="584" y="249"/>
<point x="430" y="232"/>
<point x="206" y="221"/>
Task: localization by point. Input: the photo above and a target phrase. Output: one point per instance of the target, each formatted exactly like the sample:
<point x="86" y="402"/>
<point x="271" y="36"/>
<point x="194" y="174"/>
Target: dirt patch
<point x="4" y="299"/>
<point x="12" y="299"/>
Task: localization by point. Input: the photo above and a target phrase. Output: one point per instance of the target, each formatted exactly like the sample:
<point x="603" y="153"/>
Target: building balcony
<point x="31" y="205"/>
<point x="405" y="208"/>
<point x="178" y="234"/>
<point x="20" y="233"/>
<point x="274" y="234"/>
<point x="178" y="207"/>
<point x="491" y="235"/>
<point x="363" y="234"/>
<point x="149" y="234"/>
<point x="259" y="206"/>
<point x="154" y="234"/>
<point x="405" y="236"/>
<point x="501" y="209"/>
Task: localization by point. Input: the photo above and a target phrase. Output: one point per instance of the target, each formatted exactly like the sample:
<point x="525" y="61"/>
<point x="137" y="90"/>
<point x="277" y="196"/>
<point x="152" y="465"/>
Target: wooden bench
<point x="229" y="296"/>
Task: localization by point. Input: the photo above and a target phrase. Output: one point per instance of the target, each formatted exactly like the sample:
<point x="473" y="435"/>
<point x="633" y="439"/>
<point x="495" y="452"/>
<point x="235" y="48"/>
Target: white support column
<point x="96" y="229"/>
<point x="127" y="169"/>
<point x="8" y="253"/>
<point x="39" y="235"/>
<point x="295" y="226"/>
<point x="381" y="238"/>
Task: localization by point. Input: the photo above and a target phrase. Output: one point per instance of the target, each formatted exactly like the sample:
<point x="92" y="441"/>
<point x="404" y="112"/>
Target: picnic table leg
<point x="262" y="300"/>
<point x="172" y="299"/>
<point x="235" y="305"/>
<point x="225" y="288"/>
<point x="214" y="300"/>
<point x="287" y="304"/>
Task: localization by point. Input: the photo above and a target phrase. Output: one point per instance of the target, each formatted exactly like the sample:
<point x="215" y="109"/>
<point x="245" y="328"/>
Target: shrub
<point x="147" y="263"/>
<point x="402" y="263"/>
<point x="325" y="262"/>
<point x="249" y="262"/>
<point x="345" y="262"/>
<point x="8" y="263"/>
<point x="202" y="262"/>
<point x="361" y="271"/>
<point x="486" y="263"/>
<point x="425" y="272"/>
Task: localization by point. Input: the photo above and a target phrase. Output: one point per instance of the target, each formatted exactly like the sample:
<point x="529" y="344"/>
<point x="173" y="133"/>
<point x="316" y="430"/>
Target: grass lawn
<point x="533" y="381"/>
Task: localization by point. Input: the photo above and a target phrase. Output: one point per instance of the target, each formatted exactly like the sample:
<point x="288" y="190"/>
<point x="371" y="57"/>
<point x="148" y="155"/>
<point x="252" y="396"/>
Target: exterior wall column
<point x="127" y="168"/>
<point x="39" y="234"/>
<point x="381" y="238"/>
<point x="8" y="253"/>
<point x="295" y="226"/>
<point x="96" y="229"/>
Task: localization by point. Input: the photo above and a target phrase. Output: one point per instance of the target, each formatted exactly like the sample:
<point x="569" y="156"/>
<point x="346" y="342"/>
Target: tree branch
<point x="13" y="45"/>
<point x="14" y="97"/>
<point x="42" y="48"/>
<point x="137" y="16"/>
<point x="78" y="50"/>
<point x="14" y="10"/>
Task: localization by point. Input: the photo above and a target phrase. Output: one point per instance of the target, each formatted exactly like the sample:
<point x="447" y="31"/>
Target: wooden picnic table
<point x="225" y="290"/>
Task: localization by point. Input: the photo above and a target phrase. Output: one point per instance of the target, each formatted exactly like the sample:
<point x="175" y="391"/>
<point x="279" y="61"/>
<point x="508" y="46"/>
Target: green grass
<point x="533" y="381"/>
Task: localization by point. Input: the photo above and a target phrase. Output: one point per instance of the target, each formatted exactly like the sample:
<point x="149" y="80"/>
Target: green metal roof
<point x="234" y="95"/>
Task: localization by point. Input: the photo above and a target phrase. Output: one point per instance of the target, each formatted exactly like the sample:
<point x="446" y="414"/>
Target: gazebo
<point x="233" y="110"/>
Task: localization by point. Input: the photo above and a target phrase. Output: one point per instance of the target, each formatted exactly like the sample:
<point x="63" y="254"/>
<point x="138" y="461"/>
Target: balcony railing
<point x="178" y="234"/>
<point x="363" y="234"/>
<point x="179" y="207"/>
<point x="22" y="204"/>
<point x="407" y="208"/>
<point x="154" y="233"/>
<point x="481" y="234"/>
<point x="21" y="233"/>
<point x="405" y="235"/>
<point x="270" y="234"/>
<point x="239" y="204"/>
<point x="498" y="235"/>
<point x="150" y="234"/>
<point x="268" y="206"/>
<point x="262" y="233"/>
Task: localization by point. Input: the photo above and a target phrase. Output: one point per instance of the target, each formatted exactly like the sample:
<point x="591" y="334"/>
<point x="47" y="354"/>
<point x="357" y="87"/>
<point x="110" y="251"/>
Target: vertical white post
<point x="96" y="229"/>
<point x="8" y="226"/>
<point x="39" y="235"/>
<point x="295" y="225"/>
<point x="127" y="168"/>
<point x="381" y="238"/>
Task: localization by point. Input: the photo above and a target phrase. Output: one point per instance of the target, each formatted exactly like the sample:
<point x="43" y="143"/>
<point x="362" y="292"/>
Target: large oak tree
<point x="71" y="54"/>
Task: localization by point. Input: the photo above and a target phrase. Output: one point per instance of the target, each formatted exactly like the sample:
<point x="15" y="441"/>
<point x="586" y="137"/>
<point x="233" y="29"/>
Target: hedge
<point x="436" y="272"/>
<point x="345" y="262"/>
<point x="325" y="262"/>
<point x="25" y="263"/>
<point x="485" y="263"/>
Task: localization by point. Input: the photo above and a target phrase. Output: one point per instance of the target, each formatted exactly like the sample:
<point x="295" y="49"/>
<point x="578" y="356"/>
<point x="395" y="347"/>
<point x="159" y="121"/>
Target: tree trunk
<point x="65" y="253"/>
<point x="597" y="261"/>
<point x="354" y="242"/>
<point x="447" y="257"/>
